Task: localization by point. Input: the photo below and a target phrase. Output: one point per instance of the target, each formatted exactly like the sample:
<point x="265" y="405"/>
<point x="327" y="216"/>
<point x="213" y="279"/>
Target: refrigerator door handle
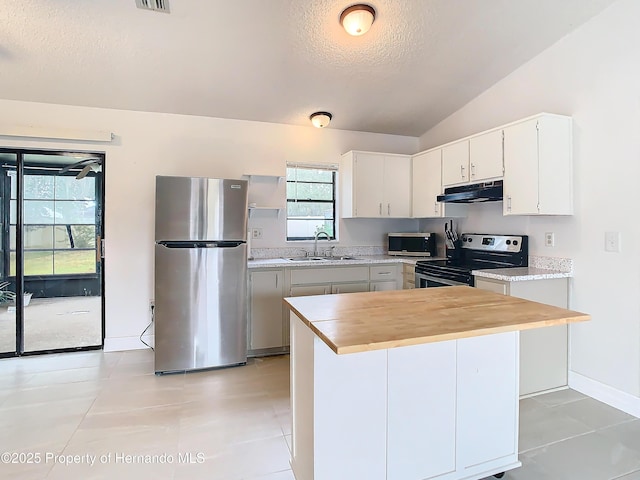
<point x="214" y="244"/>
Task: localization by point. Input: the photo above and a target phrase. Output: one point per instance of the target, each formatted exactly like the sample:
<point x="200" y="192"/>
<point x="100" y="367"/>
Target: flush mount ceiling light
<point x="357" y="19"/>
<point x="320" y="119"/>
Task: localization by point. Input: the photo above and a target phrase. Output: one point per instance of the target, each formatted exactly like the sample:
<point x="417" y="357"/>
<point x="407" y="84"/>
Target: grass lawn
<point x="65" y="262"/>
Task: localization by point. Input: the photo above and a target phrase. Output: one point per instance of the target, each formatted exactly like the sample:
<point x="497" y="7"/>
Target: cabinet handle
<point x="508" y="203"/>
<point x="462" y="171"/>
<point x="384" y="273"/>
<point x="276" y="281"/>
<point x="473" y="170"/>
<point x="381" y="209"/>
<point x="435" y="207"/>
<point x="389" y="209"/>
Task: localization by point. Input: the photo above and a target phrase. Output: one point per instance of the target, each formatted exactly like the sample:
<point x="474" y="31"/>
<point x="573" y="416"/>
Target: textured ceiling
<point x="276" y="60"/>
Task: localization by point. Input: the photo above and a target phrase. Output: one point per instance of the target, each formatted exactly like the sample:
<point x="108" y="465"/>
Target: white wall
<point x="149" y="144"/>
<point x="594" y="76"/>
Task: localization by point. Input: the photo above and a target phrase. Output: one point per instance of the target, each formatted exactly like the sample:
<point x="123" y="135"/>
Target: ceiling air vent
<point x="157" y="5"/>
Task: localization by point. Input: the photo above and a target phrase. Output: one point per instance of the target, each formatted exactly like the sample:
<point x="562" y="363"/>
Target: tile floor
<point x="59" y="411"/>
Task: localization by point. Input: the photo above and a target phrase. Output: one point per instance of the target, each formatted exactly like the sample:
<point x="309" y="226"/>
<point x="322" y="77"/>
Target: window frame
<point x="333" y="169"/>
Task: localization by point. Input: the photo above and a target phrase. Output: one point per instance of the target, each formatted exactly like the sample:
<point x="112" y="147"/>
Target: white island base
<point x="445" y="410"/>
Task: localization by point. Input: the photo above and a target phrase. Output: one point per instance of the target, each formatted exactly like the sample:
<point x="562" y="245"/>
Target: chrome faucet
<point x="315" y="242"/>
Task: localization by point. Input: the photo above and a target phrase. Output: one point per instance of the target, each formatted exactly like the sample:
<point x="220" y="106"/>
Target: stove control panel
<point x="493" y="243"/>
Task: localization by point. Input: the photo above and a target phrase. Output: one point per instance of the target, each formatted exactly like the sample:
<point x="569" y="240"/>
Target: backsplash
<point x="551" y="263"/>
<point x="260" y="253"/>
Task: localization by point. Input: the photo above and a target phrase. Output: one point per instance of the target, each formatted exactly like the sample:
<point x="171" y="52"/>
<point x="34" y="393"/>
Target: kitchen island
<point x="408" y="384"/>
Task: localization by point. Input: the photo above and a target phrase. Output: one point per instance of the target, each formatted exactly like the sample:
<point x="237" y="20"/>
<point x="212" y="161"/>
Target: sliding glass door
<point x="8" y="325"/>
<point x="54" y="235"/>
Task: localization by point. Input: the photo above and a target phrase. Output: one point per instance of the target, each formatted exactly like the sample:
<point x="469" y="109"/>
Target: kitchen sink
<point x="320" y="259"/>
<point x="307" y="259"/>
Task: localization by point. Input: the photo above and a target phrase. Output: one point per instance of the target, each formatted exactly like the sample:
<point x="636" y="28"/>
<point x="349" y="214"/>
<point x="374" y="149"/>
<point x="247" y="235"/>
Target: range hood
<point x="478" y="192"/>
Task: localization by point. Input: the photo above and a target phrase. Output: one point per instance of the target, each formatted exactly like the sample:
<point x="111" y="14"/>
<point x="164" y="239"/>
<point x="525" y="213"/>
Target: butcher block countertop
<point x="359" y="322"/>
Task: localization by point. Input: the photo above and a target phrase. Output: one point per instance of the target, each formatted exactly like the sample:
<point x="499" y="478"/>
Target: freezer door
<point x="200" y="307"/>
<point x="200" y="209"/>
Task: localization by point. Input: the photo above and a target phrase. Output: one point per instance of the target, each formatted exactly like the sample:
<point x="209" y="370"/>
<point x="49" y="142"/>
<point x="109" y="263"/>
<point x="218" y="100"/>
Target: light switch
<point x="612" y="242"/>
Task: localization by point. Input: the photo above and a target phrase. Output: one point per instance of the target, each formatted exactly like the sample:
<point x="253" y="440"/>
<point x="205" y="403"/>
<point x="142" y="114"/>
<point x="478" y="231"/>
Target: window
<point x="59" y="225"/>
<point x="311" y="201"/>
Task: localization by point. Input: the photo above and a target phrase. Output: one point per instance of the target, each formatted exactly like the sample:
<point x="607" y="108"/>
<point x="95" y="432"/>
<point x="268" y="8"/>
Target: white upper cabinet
<point x="397" y="186"/>
<point x="538" y="173"/>
<point x="427" y="184"/>
<point x="455" y="163"/>
<point x="473" y="160"/>
<point x="375" y="185"/>
<point x="485" y="156"/>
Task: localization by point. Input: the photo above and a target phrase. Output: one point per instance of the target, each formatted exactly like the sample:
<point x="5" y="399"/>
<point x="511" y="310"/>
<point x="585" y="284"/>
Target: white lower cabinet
<point x="326" y="289"/>
<point x="304" y="290"/>
<point x="383" y="286"/>
<point x="487" y="401"/>
<point x="421" y="379"/>
<point x="543" y="351"/>
<point x="385" y="277"/>
<point x="350" y="287"/>
<point x="266" y="329"/>
<point x="443" y="410"/>
<point x="268" y="326"/>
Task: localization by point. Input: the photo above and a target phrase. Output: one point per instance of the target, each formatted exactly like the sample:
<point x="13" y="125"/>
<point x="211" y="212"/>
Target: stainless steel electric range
<point x="473" y="251"/>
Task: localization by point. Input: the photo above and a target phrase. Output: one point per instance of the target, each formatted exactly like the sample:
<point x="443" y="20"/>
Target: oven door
<point x="428" y="281"/>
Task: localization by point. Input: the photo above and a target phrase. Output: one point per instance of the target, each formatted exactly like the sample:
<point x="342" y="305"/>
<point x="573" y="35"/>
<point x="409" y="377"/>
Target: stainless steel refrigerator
<point x="200" y="310"/>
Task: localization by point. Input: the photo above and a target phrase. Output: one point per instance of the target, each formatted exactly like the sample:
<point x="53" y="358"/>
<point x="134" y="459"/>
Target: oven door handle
<point x="422" y="276"/>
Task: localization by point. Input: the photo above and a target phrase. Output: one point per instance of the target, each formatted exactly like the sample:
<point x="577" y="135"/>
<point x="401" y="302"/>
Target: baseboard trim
<point x="118" y="344"/>
<point x="616" y="398"/>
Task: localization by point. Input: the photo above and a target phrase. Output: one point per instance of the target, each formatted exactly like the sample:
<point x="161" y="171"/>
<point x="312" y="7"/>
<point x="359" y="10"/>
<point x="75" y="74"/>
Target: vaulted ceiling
<point x="276" y="60"/>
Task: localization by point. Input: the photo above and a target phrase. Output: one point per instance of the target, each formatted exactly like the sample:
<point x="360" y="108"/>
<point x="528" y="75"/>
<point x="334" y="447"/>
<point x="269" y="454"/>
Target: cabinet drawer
<point x="384" y="272"/>
<point x="300" y="276"/>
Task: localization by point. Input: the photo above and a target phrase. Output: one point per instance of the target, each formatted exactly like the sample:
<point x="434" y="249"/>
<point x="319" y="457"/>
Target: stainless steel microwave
<point x="412" y="244"/>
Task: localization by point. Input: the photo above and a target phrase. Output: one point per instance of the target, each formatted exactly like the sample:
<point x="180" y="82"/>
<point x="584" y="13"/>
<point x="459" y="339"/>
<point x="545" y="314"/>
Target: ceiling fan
<point x="88" y="165"/>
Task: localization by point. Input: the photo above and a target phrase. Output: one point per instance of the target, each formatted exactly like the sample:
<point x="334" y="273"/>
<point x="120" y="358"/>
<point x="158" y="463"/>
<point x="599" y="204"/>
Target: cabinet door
<point x="368" y="173"/>
<point x="383" y="286"/>
<point x="421" y="396"/>
<point x="521" y="169"/>
<point x="555" y="165"/>
<point x="426" y="181"/>
<point x="309" y="290"/>
<point x="266" y="309"/>
<point x="485" y="156"/>
<point x="492" y="285"/>
<point x="487" y="394"/>
<point x="455" y="163"/>
<point x="397" y="187"/>
<point x="350" y="287"/>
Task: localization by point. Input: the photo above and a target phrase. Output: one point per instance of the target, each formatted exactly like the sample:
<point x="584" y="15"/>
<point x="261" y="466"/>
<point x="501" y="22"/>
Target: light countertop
<point x="520" y="274"/>
<point x="359" y="322"/>
<point x="358" y="260"/>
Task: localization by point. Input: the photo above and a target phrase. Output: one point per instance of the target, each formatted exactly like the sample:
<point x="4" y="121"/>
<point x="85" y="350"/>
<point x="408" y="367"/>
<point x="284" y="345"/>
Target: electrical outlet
<point x="256" y="233"/>
<point x="612" y="242"/>
<point x="549" y="239"/>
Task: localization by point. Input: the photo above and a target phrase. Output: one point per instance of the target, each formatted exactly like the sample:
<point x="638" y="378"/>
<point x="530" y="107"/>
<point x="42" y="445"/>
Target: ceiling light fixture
<point x="357" y="19"/>
<point x="320" y="119"/>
